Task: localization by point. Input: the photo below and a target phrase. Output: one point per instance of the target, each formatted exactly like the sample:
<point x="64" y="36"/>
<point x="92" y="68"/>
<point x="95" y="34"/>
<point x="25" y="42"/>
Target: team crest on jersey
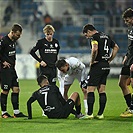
<point x="51" y="46"/>
<point x="56" y="45"/>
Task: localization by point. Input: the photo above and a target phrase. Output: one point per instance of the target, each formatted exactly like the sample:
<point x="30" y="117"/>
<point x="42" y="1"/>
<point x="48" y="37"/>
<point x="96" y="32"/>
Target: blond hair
<point x="48" y="28"/>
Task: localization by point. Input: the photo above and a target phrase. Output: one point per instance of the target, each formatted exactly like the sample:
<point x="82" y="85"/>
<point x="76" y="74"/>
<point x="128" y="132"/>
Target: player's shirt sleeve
<point x="33" y="52"/>
<point x="29" y="107"/>
<point x="1" y="50"/>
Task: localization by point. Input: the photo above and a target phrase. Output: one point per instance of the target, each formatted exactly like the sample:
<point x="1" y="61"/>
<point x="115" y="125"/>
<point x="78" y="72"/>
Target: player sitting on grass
<point x="52" y="102"/>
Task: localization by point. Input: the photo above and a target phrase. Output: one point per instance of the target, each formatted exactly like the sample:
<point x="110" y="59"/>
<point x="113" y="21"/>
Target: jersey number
<point x="45" y="97"/>
<point x="106" y="48"/>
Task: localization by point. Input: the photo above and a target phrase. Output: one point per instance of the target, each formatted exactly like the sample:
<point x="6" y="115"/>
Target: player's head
<point x="15" y="32"/>
<point x="62" y="65"/>
<point x="89" y="30"/>
<point x="49" y="31"/>
<point x="128" y="16"/>
<point x="42" y="80"/>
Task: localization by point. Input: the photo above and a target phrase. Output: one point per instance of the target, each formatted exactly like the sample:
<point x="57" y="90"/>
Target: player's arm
<point x="29" y="107"/>
<point x="61" y="82"/>
<point x="5" y="63"/>
<point x="62" y="100"/>
<point x="33" y="52"/>
<point x="94" y="51"/>
<point x="113" y="53"/>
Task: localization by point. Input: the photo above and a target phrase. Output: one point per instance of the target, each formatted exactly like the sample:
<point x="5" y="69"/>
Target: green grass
<point x="111" y="124"/>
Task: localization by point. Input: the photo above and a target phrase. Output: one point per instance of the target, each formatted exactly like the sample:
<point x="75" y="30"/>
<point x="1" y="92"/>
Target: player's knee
<point x="5" y="92"/>
<point x="121" y="84"/>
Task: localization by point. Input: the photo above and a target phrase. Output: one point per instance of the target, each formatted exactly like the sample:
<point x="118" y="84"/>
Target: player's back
<point x="51" y="104"/>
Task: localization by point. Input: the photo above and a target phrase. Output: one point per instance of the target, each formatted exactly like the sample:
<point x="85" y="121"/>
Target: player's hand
<point x="6" y="64"/>
<point x="131" y="68"/>
<point x="42" y="63"/>
<point x="83" y="84"/>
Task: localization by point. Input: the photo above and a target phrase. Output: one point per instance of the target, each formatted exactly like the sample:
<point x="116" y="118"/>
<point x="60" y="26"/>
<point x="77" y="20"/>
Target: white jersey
<point x="77" y="70"/>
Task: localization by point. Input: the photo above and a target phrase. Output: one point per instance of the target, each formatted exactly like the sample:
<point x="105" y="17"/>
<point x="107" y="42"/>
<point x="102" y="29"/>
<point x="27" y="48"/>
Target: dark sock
<point x="78" y="109"/>
<point x="90" y="102"/>
<point x="15" y="100"/>
<point x="3" y="102"/>
<point x="102" y="103"/>
<point x="131" y="106"/>
<point x="74" y="112"/>
<point x="128" y="99"/>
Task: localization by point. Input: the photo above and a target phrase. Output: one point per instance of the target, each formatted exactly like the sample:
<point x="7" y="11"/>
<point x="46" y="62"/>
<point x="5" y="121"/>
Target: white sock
<point x="3" y="112"/>
<point x="16" y="111"/>
<point x="86" y="106"/>
<point x="43" y="114"/>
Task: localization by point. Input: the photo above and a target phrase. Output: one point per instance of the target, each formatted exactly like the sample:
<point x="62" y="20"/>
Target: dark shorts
<point x="126" y="71"/>
<point x="67" y="108"/>
<point x="98" y="74"/>
<point x="9" y="78"/>
<point x="50" y="72"/>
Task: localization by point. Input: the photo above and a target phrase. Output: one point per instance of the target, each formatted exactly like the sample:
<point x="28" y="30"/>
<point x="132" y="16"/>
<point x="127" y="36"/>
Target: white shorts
<point x="69" y="79"/>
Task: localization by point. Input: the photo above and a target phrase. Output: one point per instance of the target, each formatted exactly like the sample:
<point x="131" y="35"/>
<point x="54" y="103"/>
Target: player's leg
<point x="15" y="102"/>
<point x="90" y="102"/>
<point x="15" y="96"/>
<point x="83" y="86"/>
<point x="68" y="81"/>
<point x="102" y="101"/>
<point x="5" y="86"/>
<point x="4" y="95"/>
<point x="85" y="100"/>
<point x="66" y="88"/>
<point x="123" y="79"/>
<point x="76" y="98"/>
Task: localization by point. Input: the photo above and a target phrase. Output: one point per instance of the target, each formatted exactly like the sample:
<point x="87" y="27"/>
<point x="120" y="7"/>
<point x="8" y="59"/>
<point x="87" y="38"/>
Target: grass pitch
<point x="111" y="124"/>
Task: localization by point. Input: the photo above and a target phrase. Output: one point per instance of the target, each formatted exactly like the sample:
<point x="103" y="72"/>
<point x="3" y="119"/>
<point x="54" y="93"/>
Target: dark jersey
<point x="7" y="50"/>
<point x="105" y="43"/>
<point x="48" y="51"/>
<point x="50" y="100"/>
<point x="129" y="54"/>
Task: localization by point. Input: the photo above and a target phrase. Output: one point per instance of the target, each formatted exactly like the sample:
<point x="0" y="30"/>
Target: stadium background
<point x="68" y="18"/>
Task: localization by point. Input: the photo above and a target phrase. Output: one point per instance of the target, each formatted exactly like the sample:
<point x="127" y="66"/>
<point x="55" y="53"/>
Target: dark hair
<point x="88" y="27"/>
<point x="16" y="27"/>
<point x="41" y="78"/>
<point x="128" y="13"/>
<point x="60" y="63"/>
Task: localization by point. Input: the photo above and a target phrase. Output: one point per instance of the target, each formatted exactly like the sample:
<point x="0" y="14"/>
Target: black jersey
<point x="8" y="50"/>
<point x="48" y="51"/>
<point x="105" y="43"/>
<point x="50" y="100"/>
<point x="129" y="54"/>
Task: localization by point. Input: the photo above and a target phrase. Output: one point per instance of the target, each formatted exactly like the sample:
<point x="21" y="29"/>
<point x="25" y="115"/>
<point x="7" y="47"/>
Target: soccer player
<point x="127" y="69"/>
<point x="48" y="48"/>
<point x="52" y="102"/>
<point x="69" y="70"/>
<point x="103" y="51"/>
<point x="9" y="78"/>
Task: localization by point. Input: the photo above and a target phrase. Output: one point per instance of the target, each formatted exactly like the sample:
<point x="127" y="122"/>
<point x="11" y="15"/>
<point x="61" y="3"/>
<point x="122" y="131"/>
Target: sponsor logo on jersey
<point x="48" y="108"/>
<point x="12" y="53"/>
